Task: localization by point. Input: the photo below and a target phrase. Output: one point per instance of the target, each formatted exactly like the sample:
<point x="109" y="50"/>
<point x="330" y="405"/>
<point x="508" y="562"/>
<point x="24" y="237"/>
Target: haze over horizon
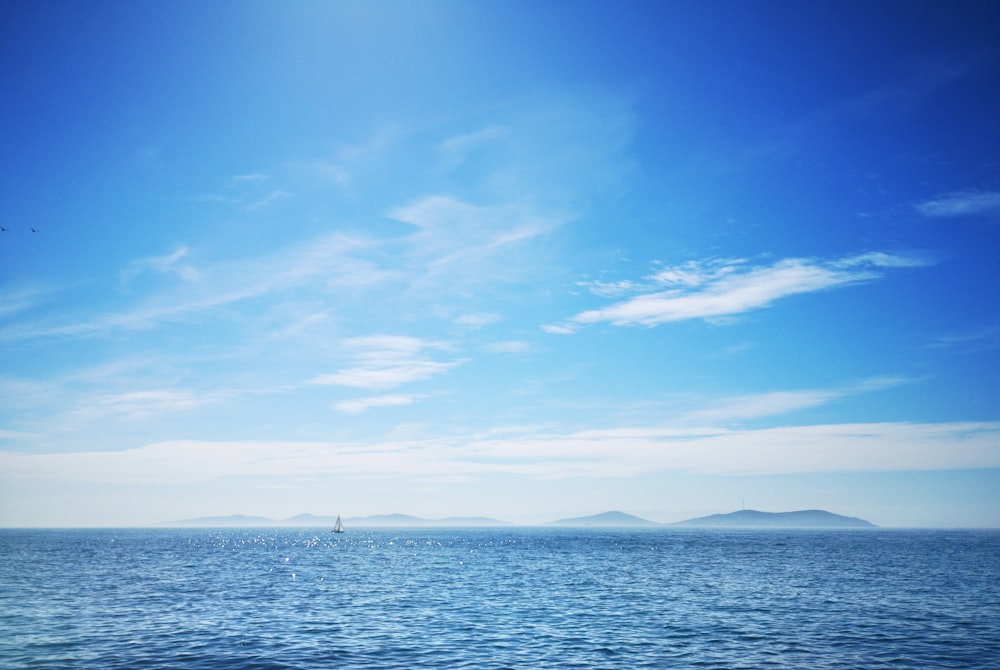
<point x="609" y="519"/>
<point x="517" y="260"/>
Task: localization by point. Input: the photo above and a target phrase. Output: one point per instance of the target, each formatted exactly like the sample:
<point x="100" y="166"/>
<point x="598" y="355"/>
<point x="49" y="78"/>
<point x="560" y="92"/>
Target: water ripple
<point x="508" y="598"/>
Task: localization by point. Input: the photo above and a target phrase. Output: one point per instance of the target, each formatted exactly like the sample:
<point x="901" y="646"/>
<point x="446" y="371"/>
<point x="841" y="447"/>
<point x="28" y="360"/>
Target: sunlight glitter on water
<point x="520" y="598"/>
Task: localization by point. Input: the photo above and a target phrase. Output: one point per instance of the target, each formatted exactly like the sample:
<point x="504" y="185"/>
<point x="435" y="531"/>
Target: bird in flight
<point x="34" y="230"/>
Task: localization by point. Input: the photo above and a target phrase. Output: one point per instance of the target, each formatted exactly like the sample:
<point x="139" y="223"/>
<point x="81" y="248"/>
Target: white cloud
<point x="480" y="229"/>
<point x="880" y="259"/>
<point x="387" y="361"/>
<point x="618" y="452"/>
<point x="167" y="264"/>
<point x="13" y="301"/>
<point x="762" y="405"/>
<point x="323" y="264"/>
<point x="438" y="211"/>
<point x="477" y="319"/>
<point x="267" y="199"/>
<point x="348" y="165"/>
<point x="817" y="448"/>
<point x="961" y="203"/>
<point x="609" y="289"/>
<point x="559" y="329"/>
<point x="245" y="178"/>
<point x="458" y="147"/>
<point x="361" y="405"/>
<point x="456" y="233"/>
<point x="776" y="403"/>
<point x="384" y="375"/>
<point x="984" y="339"/>
<point x="737" y="349"/>
<point x="719" y="289"/>
<point x="141" y="404"/>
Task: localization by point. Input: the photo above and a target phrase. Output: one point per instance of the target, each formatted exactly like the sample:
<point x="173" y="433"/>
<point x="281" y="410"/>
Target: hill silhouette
<point x="313" y="521"/>
<point x="606" y="519"/>
<point x="749" y="518"/>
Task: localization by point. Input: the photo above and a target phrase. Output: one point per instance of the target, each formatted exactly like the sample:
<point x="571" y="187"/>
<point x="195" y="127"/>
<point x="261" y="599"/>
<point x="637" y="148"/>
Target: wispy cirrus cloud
<point x="250" y="177"/>
<point x="557" y="329"/>
<point x="245" y="191"/>
<point x="142" y="404"/>
<point x="477" y="319"/>
<point x="387" y="361"/>
<point x="455" y="241"/>
<point x="349" y="164"/>
<point x="172" y="263"/>
<point x="961" y="203"/>
<point x="17" y="300"/>
<point x="820" y="124"/>
<point x="983" y="339"/>
<point x="480" y="228"/>
<point x="761" y="405"/>
<point x="269" y="198"/>
<point x="322" y="264"/>
<point x="723" y="288"/>
<point x="453" y="232"/>
<point x="361" y="405"/>
<point x="457" y="148"/>
<point x="776" y="403"/>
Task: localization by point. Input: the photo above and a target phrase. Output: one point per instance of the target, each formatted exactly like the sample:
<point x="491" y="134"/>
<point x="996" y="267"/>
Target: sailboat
<point x="338" y="527"/>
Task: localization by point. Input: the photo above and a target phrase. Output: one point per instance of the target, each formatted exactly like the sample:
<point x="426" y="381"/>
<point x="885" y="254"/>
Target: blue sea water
<point x="499" y="598"/>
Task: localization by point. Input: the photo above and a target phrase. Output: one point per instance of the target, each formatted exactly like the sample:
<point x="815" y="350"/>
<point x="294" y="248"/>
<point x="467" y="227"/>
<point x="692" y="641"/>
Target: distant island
<point x="813" y="518"/>
<point x="314" y="521"/>
<point x="749" y="518"/>
<point x="605" y="520"/>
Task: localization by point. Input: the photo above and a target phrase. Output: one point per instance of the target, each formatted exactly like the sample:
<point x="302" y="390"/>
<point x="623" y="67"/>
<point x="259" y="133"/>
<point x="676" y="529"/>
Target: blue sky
<point x="515" y="259"/>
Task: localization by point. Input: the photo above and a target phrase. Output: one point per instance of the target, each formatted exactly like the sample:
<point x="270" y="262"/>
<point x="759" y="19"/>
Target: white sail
<point x="338" y="527"/>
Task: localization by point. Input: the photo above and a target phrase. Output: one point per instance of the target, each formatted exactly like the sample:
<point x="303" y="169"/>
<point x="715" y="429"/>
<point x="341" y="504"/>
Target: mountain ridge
<point x="606" y="519"/>
<point x="747" y="518"/>
<point x="750" y="518"/>
<point x="306" y="520"/>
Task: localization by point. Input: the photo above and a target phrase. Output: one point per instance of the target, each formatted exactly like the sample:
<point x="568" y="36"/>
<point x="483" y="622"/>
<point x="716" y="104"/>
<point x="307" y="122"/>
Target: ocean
<point x="499" y="598"/>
